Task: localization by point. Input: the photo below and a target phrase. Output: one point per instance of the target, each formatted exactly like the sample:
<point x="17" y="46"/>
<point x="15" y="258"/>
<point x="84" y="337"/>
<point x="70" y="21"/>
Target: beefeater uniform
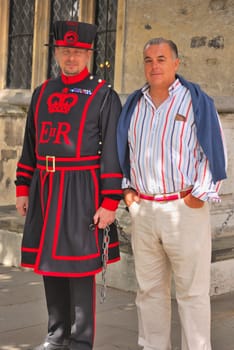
<point x="69" y="167"/>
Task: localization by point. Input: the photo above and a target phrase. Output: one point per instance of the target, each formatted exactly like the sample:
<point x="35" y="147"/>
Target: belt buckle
<point x="50" y="168"/>
<point x="160" y="197"/>
<point x="165" y="197"/>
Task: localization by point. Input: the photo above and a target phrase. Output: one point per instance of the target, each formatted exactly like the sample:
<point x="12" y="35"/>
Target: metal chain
<point x="105" y="248"/>
<point x="224" y="224"/>
<point x="121" y="232"/>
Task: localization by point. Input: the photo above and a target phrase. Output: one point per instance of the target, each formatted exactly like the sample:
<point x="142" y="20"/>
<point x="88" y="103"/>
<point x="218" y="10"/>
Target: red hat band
<point x="77" y="44"/>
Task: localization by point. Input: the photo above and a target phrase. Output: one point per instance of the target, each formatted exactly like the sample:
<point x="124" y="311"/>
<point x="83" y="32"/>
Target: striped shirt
<point x="165" y="155"/>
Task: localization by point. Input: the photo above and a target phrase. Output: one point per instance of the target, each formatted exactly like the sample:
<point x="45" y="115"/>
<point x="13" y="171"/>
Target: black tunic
<point x="69" y="161"/>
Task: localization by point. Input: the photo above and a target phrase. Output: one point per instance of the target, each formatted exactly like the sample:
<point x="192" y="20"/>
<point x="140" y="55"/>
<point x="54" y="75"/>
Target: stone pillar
<point x="40" y="38"/>
<point x="4" y="20"/>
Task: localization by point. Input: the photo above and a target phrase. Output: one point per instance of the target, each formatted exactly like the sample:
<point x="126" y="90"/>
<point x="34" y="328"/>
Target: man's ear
<point x="177" y="64"/>
<point x="56" y="53"/>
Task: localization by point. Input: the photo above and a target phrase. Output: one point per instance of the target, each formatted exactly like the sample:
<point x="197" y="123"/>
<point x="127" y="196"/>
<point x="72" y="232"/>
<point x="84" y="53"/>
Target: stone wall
<point x="221" y="210"/>
<point x="203" y="31"/>
<point x="12" y="121"/>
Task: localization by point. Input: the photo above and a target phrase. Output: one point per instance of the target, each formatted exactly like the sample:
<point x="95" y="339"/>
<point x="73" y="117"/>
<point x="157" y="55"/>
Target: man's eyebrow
<point x="148" y="57"/>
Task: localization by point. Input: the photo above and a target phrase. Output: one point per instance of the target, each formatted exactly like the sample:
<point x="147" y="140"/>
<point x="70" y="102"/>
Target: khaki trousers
<point x="169" y="237"/>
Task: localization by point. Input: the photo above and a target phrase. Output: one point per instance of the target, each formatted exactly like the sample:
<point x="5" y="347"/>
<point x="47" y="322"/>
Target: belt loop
<point x="48" y="167"/>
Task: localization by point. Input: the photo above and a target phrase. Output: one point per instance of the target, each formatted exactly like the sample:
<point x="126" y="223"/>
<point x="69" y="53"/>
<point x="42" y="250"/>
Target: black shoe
<point x="49" y="346"/>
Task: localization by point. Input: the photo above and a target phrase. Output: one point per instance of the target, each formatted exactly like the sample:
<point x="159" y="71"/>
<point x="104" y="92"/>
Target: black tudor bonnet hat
<point x="73" y="34"/>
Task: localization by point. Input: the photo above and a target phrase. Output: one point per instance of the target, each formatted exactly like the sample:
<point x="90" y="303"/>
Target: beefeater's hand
<point x="22" y="205"/>
<point x="103" y="217"/>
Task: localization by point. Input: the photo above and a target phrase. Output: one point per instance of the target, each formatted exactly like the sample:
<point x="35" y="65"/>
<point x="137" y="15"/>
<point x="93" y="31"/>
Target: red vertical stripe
<point x="45" y="222"/>
<point x="94" y="307"/>
<point x="181" y="145"/>
<point x="36" y="113"/>
<point x="96" y="199"/>
<point x="136" y="119"/>
<point x="83" y="118"/>
<point x="58" y="215"/>
<point x="163" y="136"/>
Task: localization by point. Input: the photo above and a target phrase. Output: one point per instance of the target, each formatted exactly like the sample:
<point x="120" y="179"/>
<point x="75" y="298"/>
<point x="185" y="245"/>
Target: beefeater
<point x="68" y="185"/>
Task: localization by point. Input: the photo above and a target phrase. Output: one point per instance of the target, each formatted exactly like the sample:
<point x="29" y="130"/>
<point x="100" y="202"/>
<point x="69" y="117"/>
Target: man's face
<point x="160" y="66"/>
<point x="72" y="60"/>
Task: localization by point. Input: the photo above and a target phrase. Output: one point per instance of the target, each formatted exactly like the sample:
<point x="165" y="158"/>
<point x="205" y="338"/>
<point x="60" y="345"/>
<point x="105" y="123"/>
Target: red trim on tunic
<point x="75" y="78"/>
<point x="88" y="167"/>
<point x="75" y="274"/>
<point x="96" y="201"/>
<point x="68" y="274"/>
<point x="36" y="113"/>
<point x="113" y="245"/>
<point x="115" y="175"/>
<point x="71" y="159"/>
<point x="83" y="117"/>
<point x="20" y="165"/>
<point x="43" y="180"/>
<point x="65" y="274"/>
<point x="29" y="250"/>
<point x="21" y="173"/>
<point x="45" y="222"/>
<point x="27" y="265"/>
<point x="58" y="216"/>
<point x="51" y="163"/>
<point x="112" y="192"/>
<point x="94" y="307"/>
<point x="110" y="261"/>
<point x="75" y="258"/>
<point x="22" y="191"/>
<point x="55" y="256"/>
<point x="110" y="204"/>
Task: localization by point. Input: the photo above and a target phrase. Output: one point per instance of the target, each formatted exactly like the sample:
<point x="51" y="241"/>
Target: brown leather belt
<point x="162" y="197"/>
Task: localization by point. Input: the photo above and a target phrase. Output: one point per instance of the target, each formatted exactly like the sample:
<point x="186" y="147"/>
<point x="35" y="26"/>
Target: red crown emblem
<point x="71" y="37"/>
<point x="60" y="102"/>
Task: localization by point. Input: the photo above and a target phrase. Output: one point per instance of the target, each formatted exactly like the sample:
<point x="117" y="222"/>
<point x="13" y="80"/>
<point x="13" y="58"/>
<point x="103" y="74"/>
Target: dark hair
<point x="157" y="41"/>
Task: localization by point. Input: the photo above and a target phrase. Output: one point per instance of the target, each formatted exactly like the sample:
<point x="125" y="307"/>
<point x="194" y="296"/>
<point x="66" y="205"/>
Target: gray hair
<point x="158" y="41"/>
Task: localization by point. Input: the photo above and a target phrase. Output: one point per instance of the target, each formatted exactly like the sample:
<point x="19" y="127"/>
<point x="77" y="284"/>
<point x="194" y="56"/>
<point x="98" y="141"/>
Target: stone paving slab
<point x="23" y="318"/>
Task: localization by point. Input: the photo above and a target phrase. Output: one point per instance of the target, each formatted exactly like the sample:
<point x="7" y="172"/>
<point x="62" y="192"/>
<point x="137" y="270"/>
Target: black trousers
<point x="71" y="304"/>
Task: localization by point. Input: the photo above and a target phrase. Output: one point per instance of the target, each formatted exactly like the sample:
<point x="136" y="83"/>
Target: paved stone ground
<point x="23" y="316"/>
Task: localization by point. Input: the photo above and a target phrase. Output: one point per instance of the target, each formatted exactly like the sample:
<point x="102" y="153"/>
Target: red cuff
<point x="110" y="204"/>
<point x="22" y="191"/>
